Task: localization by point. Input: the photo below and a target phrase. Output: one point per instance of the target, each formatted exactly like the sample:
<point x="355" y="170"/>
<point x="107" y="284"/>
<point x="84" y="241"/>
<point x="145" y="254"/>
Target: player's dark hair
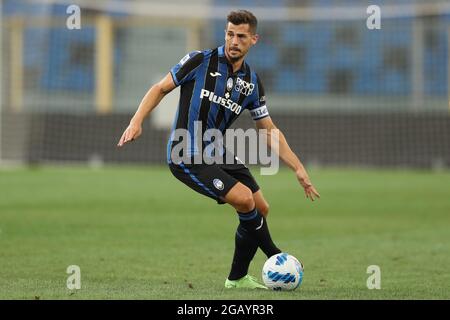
<point x="243" y="17"/>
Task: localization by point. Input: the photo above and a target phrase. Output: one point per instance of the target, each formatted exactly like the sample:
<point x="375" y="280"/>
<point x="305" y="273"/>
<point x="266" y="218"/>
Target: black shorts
<point x="214" y="180"/>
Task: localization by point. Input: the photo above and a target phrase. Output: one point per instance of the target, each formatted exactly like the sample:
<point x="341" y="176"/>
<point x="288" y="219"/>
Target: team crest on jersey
<point x="244" y="87"/>
<point x="230" y="84"/>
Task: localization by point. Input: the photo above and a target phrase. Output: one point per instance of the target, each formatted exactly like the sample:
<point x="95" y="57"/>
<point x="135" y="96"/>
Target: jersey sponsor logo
<point x="244" y="87"/>
<point x="259" y="112"/>
<point x="218" y="184"/>
<point x="227" y="103"/>
<point x="230" y="84"/>
<point x="215" y="74"/>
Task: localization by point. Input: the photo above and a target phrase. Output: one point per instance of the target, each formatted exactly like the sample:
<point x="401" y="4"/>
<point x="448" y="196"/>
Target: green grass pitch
<point x="138" y="233"/>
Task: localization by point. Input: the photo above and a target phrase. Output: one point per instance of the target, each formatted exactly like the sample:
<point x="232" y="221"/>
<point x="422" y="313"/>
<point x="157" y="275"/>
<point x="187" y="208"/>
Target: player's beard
<point x="235" y="57"/>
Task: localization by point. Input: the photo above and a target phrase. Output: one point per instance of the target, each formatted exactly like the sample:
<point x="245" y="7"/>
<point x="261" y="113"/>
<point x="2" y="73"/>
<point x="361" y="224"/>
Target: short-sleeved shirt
<point x="212" y="96"/>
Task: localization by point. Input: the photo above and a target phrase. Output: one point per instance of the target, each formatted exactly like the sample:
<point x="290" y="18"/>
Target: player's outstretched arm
<point x="289" y="157"/>
<point x="151" y="99"/>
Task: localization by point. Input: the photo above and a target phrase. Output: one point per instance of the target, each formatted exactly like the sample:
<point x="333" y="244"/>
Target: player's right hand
<point x="132" y="132"/>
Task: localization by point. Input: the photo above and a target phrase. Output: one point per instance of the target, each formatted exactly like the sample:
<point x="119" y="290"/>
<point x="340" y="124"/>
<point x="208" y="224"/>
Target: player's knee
<point x="245" y="202"/>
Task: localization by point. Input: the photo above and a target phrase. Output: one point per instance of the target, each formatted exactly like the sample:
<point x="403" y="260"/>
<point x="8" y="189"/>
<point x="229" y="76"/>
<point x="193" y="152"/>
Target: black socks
<point x="256" y="225"/>
<point x="244" y="251"/>
<point x="251" y="233"/>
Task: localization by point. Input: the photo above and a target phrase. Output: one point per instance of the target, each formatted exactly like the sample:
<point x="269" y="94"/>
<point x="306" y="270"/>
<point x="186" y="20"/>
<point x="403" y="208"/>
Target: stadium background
<point x="343" y="94"/>
<point x="345" y="97"/>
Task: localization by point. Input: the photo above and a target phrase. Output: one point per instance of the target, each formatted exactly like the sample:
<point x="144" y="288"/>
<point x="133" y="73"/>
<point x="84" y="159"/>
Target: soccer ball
<point x="282" y="272"/>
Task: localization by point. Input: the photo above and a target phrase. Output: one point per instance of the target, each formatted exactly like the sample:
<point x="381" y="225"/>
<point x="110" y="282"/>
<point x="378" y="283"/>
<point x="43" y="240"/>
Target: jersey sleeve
<point x="185" y="70"/>
<point x="258" y="109"/>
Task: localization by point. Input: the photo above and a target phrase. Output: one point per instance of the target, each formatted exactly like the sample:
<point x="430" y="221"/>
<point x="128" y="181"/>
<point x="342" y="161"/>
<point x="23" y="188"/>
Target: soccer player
<point x="216" y="86"/>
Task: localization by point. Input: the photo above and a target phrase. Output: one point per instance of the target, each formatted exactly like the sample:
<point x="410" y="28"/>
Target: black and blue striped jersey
<point x="212" y="95"/>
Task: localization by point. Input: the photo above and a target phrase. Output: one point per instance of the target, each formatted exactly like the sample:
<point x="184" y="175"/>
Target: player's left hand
<point x="310" y="191"/>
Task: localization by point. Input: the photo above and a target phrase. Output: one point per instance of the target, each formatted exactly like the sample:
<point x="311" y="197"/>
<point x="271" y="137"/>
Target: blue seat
<point x="287" y="81"/>
<point x="295" y="33"/>
<point x="395" y="82"/>
<point x="344" y="57"/>
<point x="314" y="82"/>
<point x="61" y="70"/>
<point x="264" y="55"/>
<point x="368" y="81"/>
<point x="14" y="7"/>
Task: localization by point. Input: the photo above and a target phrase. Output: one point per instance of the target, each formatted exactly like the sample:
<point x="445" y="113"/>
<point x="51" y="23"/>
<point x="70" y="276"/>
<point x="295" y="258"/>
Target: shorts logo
<point x="244" y="87"/>
<point x="218" y="184"/>
<point x="230" y="84"/>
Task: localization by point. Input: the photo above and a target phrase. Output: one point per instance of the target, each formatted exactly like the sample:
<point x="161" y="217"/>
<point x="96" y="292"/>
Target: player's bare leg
<point x="241" y="198"/>
<point x="261" y="203"/>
